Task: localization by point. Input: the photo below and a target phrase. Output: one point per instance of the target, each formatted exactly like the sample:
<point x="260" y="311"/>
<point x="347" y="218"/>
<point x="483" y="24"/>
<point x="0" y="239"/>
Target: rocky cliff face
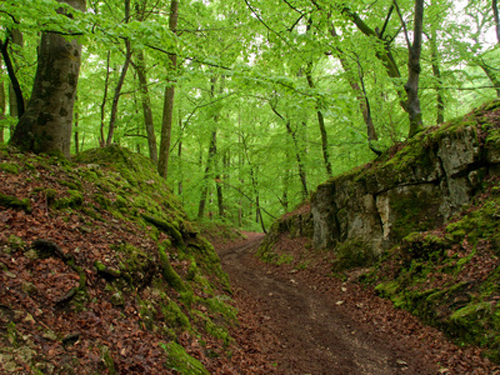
<point x="415" y="188"/>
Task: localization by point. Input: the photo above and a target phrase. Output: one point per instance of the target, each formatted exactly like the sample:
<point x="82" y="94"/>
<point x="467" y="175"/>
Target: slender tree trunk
<point x="179" y="154"/>
<point x="102" y="139"/>
<point x="361" y="96"/>
<point x="168" y="106"/>
<point x="16" y="95"/>
<point x="212" y="151"/>
<point x="2" y="105"/>
<point x="121" y="81"/>
<point x="437" y="75"/>
<point x="411" y="86"/>
<point x="46" y="124"/>
<point x="77" y="140"/>
<point x="491" y="74"/>
<point x="140" y="68"/>
<point x="496" y="18"/>
<point x="322" y="128"/>
<point x="300" y="164"/>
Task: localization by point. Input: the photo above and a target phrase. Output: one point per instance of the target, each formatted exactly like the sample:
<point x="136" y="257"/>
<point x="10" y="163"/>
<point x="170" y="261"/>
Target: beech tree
<point x="46" y="124"/>
<point x="311" y="88"/>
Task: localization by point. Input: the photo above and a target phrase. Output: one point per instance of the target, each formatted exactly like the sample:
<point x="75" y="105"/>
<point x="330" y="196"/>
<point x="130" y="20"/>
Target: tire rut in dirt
<point x="314" y="336"/>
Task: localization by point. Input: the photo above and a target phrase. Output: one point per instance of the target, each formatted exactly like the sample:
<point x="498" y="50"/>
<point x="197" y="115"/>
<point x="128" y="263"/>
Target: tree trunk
<point x="361" y="96"/>
<point x="300" y="164"/>
<point x="46" y="124"/>
<point x="322" y="128"/>
<point x="16" y="99"/>
<point x="102" y="141"/>
<point x="140" y="68"/>
<point x="168" y="106"/>
<point x="496" y="18"/>
<point x="411" y="86"/>
<point x="491" y="74"/>
<point x="121" y="81"/>
<point x="437" y="75"/>
<point x="77" y="139"/>
<point x="2" y="105"/>
<point x="212" y="151"/>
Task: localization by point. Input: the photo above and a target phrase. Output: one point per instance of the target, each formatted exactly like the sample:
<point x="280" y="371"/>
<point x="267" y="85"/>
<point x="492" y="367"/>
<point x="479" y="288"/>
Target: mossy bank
<point x="425" y="217"/>
<point x="102" y="271"/>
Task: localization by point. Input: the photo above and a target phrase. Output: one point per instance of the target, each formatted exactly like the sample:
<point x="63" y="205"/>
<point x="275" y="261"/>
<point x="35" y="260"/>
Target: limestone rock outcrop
<point x="416" y="188"/>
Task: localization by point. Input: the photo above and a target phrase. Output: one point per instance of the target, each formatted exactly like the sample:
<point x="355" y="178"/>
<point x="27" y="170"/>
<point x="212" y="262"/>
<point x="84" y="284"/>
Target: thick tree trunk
<point x="121" y="81"/>
<point x="140" y="68"/>
<point x="411" y="86"/>
<point x="46" y="124"/>
<point x="168" y="106"/>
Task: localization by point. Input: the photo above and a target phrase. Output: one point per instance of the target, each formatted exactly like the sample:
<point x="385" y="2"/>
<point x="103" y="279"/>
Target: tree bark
<point x="361" y="96"/>
<point x="496" y="18"/>
<point x="121" y="81"/>
<point x="15" y="91"/>
<point x="300" y="164"/>
<point x="168" y="106"/>
<point x="140" y="68"/>
<point x="212" y="151"/>
<point x="437" y="75"/>
<point x="2" y="105"/>
<point x="102" y="141"/>
<point x="46" y="124"/>
<point x="322" y="128"/>
<point x="491" y="74"/>
<point x="17" y="104"/>
<point x="411" y="86"/>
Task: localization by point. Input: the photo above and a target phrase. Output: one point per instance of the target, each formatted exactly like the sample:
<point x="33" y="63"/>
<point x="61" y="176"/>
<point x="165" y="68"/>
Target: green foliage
<point x="449" y="279"/>
<point x="181" y="361"/>
<point x="13" y="202"/>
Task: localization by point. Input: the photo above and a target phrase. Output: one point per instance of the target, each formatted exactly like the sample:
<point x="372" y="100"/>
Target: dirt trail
<point x="303" y="332"/>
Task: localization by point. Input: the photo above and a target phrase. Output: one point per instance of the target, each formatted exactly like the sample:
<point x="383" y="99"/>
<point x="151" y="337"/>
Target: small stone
<point x="29" y="318"/>
<point x="50" y="335"/>
<point x="400" y="362"/>
<point x="338" y="303"/>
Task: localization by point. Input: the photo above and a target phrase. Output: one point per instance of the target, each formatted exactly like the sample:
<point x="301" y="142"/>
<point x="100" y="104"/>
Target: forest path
<point x="305" y="331"/>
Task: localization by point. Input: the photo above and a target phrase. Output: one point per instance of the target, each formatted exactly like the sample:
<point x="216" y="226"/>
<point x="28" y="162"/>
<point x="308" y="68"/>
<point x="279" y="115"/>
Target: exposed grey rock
<point x="418" y="189"/>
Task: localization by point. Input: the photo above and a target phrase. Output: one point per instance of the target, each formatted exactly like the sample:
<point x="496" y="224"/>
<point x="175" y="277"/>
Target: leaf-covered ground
<point x="83" y="286"/>
<point x="295" y="261"/>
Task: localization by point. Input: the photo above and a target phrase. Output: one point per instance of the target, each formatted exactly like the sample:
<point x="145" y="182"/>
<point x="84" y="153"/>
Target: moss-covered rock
<point x="182" y="362"/>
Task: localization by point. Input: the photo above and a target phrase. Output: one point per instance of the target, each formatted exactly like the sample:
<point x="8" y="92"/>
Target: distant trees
<point x="310" y="88"/>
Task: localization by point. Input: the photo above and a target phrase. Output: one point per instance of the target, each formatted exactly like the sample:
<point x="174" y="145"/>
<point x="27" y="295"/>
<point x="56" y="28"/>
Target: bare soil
<point x="301" y="322"/>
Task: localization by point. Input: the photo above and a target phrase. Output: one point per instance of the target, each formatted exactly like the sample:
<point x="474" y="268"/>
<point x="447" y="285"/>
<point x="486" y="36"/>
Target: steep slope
<point x="100" y="272"/>
<point x="425" y="217"/>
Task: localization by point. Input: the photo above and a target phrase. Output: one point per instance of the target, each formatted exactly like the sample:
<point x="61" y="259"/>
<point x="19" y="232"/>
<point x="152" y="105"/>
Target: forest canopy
<point x="246" y="106"/>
